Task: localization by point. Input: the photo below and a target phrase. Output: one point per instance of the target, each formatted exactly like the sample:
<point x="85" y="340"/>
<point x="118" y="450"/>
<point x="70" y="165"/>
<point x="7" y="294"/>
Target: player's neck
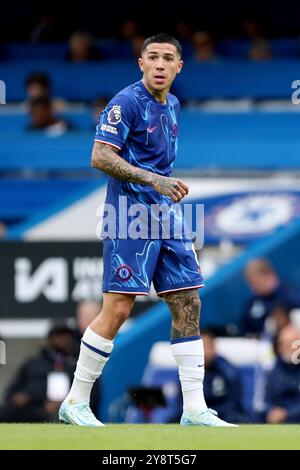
<point x="159" y="96"/>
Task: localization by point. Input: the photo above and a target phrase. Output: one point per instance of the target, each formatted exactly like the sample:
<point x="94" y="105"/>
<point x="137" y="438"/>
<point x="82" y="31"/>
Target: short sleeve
<point x="115" y="122"/>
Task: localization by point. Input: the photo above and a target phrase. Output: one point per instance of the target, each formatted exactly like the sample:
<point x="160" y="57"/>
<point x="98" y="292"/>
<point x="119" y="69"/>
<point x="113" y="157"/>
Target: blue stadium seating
<point x="27" y="52"/>
<point x="221" y="78"/>
<point x="112" y="49"/>
<point x="159" y="377"/>
<point x="286" y="48"/>
<point x="20" y="199"/>
<point x="207" y="140"/>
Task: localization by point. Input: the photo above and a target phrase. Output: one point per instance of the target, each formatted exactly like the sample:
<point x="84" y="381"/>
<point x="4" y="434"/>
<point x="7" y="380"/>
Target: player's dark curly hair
<point x="162" y="38"/>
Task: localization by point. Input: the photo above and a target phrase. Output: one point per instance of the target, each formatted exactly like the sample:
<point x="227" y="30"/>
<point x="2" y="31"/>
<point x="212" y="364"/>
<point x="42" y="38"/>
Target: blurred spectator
<point x="283" y="385"/>
<point x="204" y="46"/>
<point x="43" y="30"/>
<point x="279" y="318"/>
<point x="42" y="118"/>
<point x="129" y="29"/>
<point x="132" y="38"/>
<point x="38" y="85"/>
<point x="136" y="44"/>
<point x="260" y="50"/>
<point x="2" y="230"/>
<point x="82" y="49"/>
<point x="268" y="291"/>
<point x="86" y="312"/>
<point x="260" y="47"/>
<point x="42" y="382"/>
<point x="183" y="31"/>
<point x="98" y="106"/>
<point x="222" y="386"/>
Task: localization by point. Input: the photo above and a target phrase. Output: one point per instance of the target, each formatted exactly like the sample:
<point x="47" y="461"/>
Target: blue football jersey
<point x="144" y="132"/>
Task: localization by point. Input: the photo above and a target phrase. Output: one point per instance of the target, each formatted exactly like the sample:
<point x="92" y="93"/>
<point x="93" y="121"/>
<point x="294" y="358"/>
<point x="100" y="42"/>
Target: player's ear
<point x="180" y="65"/>
<point x="141" y="64"/>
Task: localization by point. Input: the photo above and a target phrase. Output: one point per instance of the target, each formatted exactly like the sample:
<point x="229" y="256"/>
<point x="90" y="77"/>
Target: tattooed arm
<point x="104" y="158"/>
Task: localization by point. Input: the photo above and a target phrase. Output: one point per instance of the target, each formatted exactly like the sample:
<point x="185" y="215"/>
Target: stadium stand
<point x="39" y="172"/>
<point x="37" y="194"/>
<point x="285" y="47"/>
<point x="267" y="80"/>
<point x="240" y="140"/>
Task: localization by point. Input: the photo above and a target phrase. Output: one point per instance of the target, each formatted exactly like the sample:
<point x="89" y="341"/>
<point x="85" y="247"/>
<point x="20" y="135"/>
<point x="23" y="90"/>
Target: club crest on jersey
<point x="124" y="272"/>
<point x="114" y="115"/>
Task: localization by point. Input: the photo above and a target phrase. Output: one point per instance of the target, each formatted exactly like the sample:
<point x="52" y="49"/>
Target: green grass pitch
<point x="148" y="437"/>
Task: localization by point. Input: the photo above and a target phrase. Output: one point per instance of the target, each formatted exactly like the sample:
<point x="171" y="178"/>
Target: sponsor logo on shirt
<point x="111" y="129"/>
<point x="114" y="115"/>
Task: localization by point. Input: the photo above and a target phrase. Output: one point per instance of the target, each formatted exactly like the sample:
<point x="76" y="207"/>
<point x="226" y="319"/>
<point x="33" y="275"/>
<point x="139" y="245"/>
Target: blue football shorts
<point x="131" y="265"/>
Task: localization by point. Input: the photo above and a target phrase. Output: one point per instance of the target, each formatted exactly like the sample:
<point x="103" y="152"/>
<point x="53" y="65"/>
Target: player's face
<point x="160" y="64"/>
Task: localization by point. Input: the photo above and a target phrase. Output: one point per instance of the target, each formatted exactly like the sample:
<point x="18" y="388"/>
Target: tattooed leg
<point x="185" y="309"/>
<point x="187" y="347"/>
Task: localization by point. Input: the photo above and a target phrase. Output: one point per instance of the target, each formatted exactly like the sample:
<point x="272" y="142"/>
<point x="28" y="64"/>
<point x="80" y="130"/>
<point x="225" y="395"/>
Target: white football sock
<point x="189" y="355"/>
<point x="94" y="354"/>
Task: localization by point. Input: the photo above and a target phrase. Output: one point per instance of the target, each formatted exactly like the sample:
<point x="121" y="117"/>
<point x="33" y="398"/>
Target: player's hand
<point x="172" y="187"/>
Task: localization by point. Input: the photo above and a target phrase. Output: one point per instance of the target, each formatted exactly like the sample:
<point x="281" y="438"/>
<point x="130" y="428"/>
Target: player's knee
<point x="121" y="315"/>
<point x="122" y="310"/>
<point x="186" y="300"/>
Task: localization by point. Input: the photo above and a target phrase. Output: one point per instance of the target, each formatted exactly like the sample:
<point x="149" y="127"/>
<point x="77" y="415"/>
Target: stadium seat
<point x="201" y="81"/>
<point x="251" y="140"/>
<point x="167" y="380"/>
<point x="20" y="199"/>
